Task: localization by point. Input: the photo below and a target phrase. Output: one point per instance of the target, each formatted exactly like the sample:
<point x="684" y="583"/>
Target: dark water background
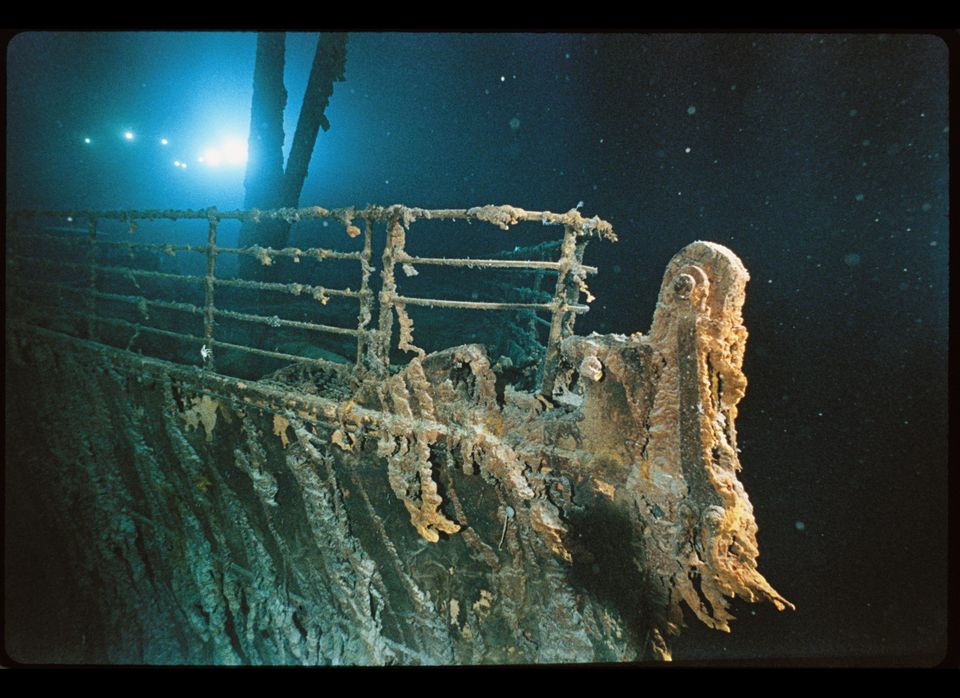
<point x="822" y="160"/>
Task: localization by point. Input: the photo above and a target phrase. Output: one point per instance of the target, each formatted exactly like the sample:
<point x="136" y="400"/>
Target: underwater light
<point x="164" y="141"/>
<point x="87" y="141"/>
<point x="128" y="135"/>
<point x="211" y="156"/>
<point x="176" y="163"/>
<point x="235" y="151"/>
<point x="231" y="151"/>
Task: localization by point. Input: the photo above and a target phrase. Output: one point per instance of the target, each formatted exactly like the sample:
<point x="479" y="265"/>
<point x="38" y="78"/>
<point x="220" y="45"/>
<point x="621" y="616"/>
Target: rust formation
<point x="368" y="510"/>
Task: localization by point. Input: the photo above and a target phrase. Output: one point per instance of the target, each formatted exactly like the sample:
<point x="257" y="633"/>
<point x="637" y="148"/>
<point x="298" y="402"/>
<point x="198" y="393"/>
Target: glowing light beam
<point x="230" y="152"/>
<point x="235" y="151"/>
<point x="211" y="156"/>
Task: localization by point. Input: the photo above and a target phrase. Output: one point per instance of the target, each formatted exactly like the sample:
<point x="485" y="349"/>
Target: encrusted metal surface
<point x="373" y="346"/>
<point x="439" y="513"/>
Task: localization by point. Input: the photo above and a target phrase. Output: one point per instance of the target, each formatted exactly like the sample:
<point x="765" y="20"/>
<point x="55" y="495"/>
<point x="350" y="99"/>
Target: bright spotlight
<point x="164" y="141"/>
<point x="176" y="163"/>
<point x="183" y="165"/>
<point x="211" y="156"/>
<point x="87" y="141"/>
<point x="235" y="151"/>
<point x="230" y="152"/>
<point x="128" y="135"/>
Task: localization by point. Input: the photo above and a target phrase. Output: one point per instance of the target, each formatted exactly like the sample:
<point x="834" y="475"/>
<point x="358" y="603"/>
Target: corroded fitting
<point x="591" y="368"/>
<point x="683" y="286"/>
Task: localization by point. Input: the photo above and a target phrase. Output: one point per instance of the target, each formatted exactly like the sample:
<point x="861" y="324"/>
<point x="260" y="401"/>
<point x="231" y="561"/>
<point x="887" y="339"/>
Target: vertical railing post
<point x="92" y="273"/>
<point x="366" y="295"/>
<point x="388" y="290"/>
<point x="208" y="286"/>
<point x="561" y="298"/>
<point x="573" y="288"/>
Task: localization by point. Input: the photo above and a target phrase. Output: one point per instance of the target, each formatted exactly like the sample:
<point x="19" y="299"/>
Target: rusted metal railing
<point x="372" y="344"/>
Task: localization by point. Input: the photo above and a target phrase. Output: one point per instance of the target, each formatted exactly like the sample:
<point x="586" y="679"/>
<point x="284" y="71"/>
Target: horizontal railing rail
<point x="373" y="343"/>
